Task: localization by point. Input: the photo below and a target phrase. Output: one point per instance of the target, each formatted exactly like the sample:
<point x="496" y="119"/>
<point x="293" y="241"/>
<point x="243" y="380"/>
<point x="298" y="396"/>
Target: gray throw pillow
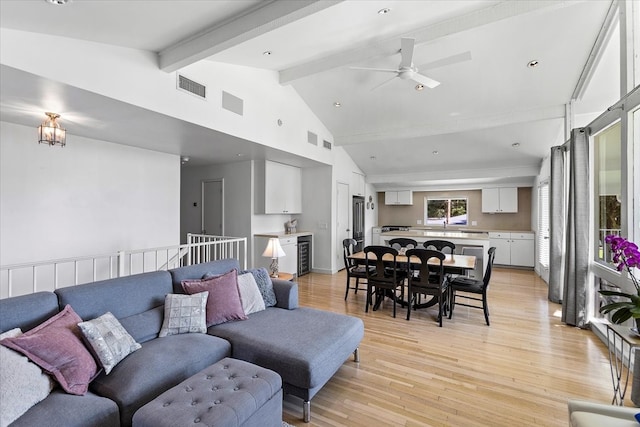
<point x="264" y="284"/>
<point x="22" y="383"/>
<point x="184" y="314"/>
<point x="109" y="340"/>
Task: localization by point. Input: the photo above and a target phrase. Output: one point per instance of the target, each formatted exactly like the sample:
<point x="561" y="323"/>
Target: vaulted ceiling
<point x="492" y="119"/>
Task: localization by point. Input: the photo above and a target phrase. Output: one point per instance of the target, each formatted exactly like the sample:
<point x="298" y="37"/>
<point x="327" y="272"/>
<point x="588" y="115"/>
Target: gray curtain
<point x="576" y="260"/>
<point x="556" y="224"/>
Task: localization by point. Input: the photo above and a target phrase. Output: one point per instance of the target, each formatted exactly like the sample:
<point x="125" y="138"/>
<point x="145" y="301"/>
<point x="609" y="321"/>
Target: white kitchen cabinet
<point x="375" y="235"/>
<point x="357" y="184"/>
<point x="516" y="249"/>
<point x="289" y="262"/>
<point x="500" y="200"/>
<point x="404" y="197"/>
<point x="282" y="189"/>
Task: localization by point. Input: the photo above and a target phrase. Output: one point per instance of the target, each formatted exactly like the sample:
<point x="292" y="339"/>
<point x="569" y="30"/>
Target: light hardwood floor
<point x="519" y="371"/>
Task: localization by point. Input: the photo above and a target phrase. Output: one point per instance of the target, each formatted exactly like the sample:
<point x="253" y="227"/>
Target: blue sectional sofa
<point x="303" y="345"/>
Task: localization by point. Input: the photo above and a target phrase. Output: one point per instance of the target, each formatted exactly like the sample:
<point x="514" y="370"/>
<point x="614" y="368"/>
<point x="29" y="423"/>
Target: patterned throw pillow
<point x="22" y="383"/>
<point x="56" y="346"/>
<point x="184" y="314"/>
<point x="264" y="284"/>
<point x="109" y="340"/>
<point x="252" y="301"/>
<point x="224" y="303"/>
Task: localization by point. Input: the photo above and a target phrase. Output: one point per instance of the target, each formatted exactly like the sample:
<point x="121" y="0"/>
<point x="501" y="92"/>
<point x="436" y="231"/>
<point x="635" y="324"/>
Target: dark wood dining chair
<point x="384" y="278"/>
<point x="354" y="270"/>
<point x="472" y="286"/>
<point x="423" y="280"/>
<point x="443" y="246"/>
<point x="403" y="243"/>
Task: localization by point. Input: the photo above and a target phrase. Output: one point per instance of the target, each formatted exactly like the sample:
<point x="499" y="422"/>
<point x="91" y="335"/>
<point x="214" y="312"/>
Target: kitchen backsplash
<point x="408" y="215"/>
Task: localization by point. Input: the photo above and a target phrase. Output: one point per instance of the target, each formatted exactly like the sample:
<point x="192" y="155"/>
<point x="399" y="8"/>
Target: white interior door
<point x="213" y="207"/>
<point x="343" y="229"/>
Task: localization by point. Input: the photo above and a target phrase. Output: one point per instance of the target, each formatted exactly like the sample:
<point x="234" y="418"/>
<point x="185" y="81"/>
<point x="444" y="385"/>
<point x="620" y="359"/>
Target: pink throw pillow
<point x="224" y="303"/>
<point x="56" y="346"/>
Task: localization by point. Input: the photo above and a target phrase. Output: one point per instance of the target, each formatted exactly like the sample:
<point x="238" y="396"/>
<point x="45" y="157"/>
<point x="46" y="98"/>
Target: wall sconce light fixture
<point x="50" y="132"/>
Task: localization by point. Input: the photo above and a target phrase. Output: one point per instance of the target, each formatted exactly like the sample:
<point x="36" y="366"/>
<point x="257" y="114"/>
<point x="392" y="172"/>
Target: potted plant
<point x="626" y="257"/>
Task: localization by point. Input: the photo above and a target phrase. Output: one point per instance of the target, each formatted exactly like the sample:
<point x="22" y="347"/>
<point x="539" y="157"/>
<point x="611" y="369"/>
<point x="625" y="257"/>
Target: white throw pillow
<point x="252" y="300"/>
<point x="184" y="314"/>
<point x="22" y="383"/>
<point x="109" y="340"/>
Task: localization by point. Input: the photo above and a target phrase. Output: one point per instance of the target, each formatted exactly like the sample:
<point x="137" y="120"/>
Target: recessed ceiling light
<point x="435" y="152"/>
<point x="419" y="87"/>
<point x="240" y="154"/>
<point x="384" y="11"/>
<point x="515" y="145"/>
<point x="337" y="104"/>
<point x="58" y="2"/>
<point x="533" y="63"/>
<point x="266" y="53"/>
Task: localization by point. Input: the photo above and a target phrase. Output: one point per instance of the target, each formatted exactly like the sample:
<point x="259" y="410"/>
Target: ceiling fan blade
<point x="406" y="50"/>
<point x="383" y="83"/>
<point x="450" y="60"/>
<point x="383" y="70"/>
<point x="424" y="80"/>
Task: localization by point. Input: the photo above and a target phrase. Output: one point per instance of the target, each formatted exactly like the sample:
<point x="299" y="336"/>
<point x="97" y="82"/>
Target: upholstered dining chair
<point x="472" y="286"/>
<point x="422" y="280"/>
<point x="384" y="279"/>
<point x="354" y="270"/>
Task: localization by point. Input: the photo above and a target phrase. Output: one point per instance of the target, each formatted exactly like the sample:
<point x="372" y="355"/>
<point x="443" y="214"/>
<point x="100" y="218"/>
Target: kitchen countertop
<point x="279" y="234"/>
<point x="439" y="233"/>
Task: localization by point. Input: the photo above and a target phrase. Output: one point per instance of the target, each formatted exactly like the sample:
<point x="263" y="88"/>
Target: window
<point x="608" y="186"/>
<point x="446" y="211"/>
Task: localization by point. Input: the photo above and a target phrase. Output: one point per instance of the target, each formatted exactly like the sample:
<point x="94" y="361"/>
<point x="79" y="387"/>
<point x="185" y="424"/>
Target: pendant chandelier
<point x="50" y="132"/>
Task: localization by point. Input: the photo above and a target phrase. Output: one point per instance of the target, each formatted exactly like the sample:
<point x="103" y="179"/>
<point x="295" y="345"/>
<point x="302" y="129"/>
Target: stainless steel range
<point x="386" y="228"/>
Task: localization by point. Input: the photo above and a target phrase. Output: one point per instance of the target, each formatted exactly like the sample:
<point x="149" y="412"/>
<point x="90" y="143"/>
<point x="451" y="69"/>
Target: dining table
<point x="452" y="264"/>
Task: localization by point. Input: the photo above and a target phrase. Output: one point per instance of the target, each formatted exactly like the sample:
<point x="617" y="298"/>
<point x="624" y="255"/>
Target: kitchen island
<point x="461" y="239"/>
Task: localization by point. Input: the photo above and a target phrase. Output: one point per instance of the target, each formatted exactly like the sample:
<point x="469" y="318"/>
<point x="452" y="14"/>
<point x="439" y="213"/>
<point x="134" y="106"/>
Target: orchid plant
<point x="626" y="256"/>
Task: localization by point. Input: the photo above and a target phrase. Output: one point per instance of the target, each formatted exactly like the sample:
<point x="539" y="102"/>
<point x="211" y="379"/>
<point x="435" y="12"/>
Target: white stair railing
<point x="19" y="279"/>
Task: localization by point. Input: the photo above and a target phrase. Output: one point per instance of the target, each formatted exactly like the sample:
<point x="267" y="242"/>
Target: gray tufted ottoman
<point x="228" y="393"/>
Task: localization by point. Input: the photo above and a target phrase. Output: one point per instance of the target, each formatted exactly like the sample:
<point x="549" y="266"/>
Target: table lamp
<point x="273" y="251"/>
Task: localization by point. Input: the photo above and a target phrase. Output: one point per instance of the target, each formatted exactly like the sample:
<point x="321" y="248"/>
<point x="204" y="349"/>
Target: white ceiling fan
<point x="408" y="71"/>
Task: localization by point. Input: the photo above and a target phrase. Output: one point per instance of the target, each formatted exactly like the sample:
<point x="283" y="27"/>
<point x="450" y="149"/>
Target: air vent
<point x="232" y="103"/>
<point x="312" y="138"/>
<point x="192" y="87"/>
<point x="326" y="144"/>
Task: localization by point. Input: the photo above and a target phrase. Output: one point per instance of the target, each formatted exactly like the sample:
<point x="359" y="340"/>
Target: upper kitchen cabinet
<point x="357" y="184"/>
<point x="280" y="192"/>
<point x="500" y="200"/>
<point x="404" y="197"/>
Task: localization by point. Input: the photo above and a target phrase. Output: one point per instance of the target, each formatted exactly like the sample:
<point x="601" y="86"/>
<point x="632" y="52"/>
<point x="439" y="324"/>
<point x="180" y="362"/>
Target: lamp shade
<point x="273" y="250"/>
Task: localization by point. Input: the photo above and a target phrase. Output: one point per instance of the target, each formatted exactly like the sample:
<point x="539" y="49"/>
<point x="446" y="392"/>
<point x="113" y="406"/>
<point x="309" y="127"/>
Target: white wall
<point x="90" y="197"/>
<point x="317" y="213"/>
<point x="237" y="198"/>
<point x="138" y="80"/>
